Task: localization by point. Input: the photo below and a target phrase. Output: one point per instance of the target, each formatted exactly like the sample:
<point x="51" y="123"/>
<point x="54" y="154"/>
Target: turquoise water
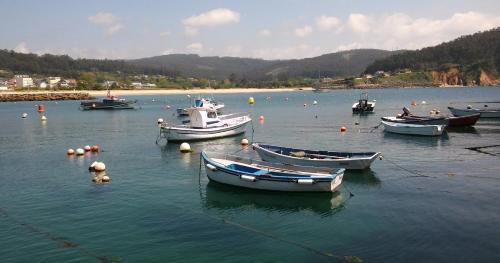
<point x="429" y="199"/>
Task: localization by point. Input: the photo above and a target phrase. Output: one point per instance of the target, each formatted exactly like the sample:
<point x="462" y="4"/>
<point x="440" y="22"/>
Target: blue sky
<point x="262" y="29"/>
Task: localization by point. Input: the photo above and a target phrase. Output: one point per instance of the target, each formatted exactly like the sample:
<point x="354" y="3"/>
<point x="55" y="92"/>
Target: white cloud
<point x="212" y="18"/>
<point x="114" y="29"/>
<point x="359" y="23"/>
<point x="164" y="34"/>
<point x="303" y="31"/>
<point x="233" y="51"/>
<point x="108" y="21"/>
<point x="328" y="22"/>
<point x="265" y="32"/>
<point x="194" y="48"/>
<point x="103" y="18"/>
<point x="168" y="51"/>
<point x="22" y="48"/>
<point x="350" y="46"/>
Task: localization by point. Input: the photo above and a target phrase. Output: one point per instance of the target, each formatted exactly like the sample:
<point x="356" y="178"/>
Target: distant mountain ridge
<point x="339" y="64"/>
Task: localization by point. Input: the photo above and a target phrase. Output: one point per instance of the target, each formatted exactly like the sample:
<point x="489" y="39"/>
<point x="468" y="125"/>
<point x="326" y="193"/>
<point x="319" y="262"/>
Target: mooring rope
<point x="64" y="242"/>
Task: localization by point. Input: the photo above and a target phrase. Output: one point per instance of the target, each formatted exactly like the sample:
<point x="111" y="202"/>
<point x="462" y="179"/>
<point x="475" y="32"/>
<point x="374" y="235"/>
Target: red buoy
<point x="343" y="129"/>
<point x="70" y="151"/>
<point x="41" y="108"/>
<point x="95" y="148"/>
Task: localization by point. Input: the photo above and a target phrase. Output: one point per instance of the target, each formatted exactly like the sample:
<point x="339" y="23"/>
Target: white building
<point x="149" y="85"/>
<point x="136" y="84"/>
<point x="23" y="81"/>
<point x="43" y="85"/>
<point x="53" y="81"/>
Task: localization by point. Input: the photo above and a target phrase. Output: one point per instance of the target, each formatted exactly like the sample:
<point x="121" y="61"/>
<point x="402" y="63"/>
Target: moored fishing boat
<point x="413" y="129"/>
<point x="467" y="120"/>
<point x="253" y="174"/>
<point x="203" y="124"/>
<point x="108" y="103"/>
<point x="202" y="103"/>
<point x="408" y="118"/>
<point x="315" y="158"/>
<point x="363" y="105"/>
<point x="485" y="112"/>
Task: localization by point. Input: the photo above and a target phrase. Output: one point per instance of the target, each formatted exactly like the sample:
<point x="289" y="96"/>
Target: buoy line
<point x="63" y="242"/>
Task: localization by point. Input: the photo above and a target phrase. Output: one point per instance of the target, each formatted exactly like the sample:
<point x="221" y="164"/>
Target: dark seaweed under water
<point x="428" y="200"/>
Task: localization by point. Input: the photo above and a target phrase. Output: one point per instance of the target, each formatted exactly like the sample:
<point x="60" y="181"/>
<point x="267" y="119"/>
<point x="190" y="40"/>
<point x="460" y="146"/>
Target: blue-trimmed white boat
<point x="204" y="124"/>
<point x="485" y="112"/>
<point x="413" y="129"/>
<point x="253" y="174"/>
<point x="315" y="158"/>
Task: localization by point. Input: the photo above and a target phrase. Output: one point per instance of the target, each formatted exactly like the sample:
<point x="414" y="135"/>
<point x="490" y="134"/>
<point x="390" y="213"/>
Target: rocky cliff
<point x="455" y="76"/>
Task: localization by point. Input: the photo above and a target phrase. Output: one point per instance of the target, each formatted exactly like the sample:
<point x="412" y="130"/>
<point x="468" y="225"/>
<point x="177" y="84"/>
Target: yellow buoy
<point x="185" y="147"/>
<point x="251" y="100"/>
<point x="105" y="179"/>
<point x="43" y="118"/>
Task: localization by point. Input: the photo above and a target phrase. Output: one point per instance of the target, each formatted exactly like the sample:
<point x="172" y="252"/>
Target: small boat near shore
<point x="462" y="121"/>
<point x="253" y="174"/>
<point x="363" y="105"/>
<point x="109" y="103"/>
<point x="408" y="118"/>
<point x="204" y="124"/>
<point x="413" y="129"/>
<point x="485" y="112"/>
<point x="315" y="158"/>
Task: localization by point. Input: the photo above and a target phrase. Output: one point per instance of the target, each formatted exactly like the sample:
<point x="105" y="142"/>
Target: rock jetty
<point x="44" y="96"/>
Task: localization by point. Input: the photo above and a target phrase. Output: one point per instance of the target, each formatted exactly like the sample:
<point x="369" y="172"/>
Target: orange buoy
<point x="343" y="129"/>
<point x="70" y="151"/>
<point x="87" y="148"/>
<point x="261" y="118"/>
<point x="41" y="108"/>
<point x="95" y="148"/>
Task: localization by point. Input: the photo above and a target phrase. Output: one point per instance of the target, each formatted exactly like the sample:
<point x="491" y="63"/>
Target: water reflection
<point x="224" y="197"/>
<point x="415" y="139"/>
<point x="466" y="129"/>
<point x="365" y="177"/>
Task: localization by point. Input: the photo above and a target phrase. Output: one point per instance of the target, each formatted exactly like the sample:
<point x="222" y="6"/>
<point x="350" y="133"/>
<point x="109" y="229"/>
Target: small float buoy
<point x="70" y="151"/>
<point x="95" y="148"/>
<point x="261" y="118"/>
<point x="185" y="147"/>
<point x="343" y="129"/>
<point x="160" y="121"/>
<point x="99" y="167"/>
<point x="41" y="108"/>
<point x="305" y="105"/>
<point x="24" y="115"/>
<point x="80" y="151"/>
<point x="244" y="142"/>
<point x="315" y="102"/>
<point x="43" y="118"/>
<point x="87" y="148"/>
<point x="413" y="103"/>
<point x="167" y="107"/>
<point x="451" y="174"/>
<point x="105" y="179"/>
<point x="424" y="102"/>
<point x="356" y="123"/>
<point x="251" y="100"/>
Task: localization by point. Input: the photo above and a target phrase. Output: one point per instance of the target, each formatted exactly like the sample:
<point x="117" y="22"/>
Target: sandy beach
<point x="100" y="93"/>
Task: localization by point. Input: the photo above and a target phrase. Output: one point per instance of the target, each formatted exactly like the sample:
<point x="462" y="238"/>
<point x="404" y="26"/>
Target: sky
<point x="268" y="29"/>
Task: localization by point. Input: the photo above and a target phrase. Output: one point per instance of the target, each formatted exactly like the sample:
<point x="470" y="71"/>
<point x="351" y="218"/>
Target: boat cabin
<point x="202" y="117"/>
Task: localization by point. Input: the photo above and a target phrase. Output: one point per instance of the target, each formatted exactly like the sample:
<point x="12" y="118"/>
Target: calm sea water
<point x="428" y="200"/>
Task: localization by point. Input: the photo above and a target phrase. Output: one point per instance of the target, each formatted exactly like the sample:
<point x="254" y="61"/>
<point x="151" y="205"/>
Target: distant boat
<point x="253" y="174"/>
<point x="363" y="105"/>
<point x="485" y="112"/>
<point x="315" y="158"/>
<point x="413" y="129"/>
<point x="467" y="120"/>
<point x="203" y="124"/>
<point x="202" y="103"/>
<point x="408" y="118"/>
<point x="108" y="103"/>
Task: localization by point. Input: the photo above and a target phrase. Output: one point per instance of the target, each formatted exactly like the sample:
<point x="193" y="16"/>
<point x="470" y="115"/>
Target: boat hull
<point x="220" y="174"/>
<point x="352" y="163"/>
<point x="357" y="109"/>
<point x="418" y="120"/>
<point x="484" y="113"/>
<point x="190" y="134"/>
<point x="462" y="121"/>
<point x="413" y="129"/>
<point x="97" y="105"/>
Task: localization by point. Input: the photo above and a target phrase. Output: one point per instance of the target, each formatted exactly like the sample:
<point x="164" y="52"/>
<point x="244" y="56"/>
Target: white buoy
<point x="244" y="142"/>
<point x="80" y="151"/>
<point x="185" y="147"/>
<point x="92" y="166"/>
<point x="24" y="115"/>
<point x="70" y="151"/>
<point x="99" y="167"/>
<point x="424" y="102"/>
<point x="160" y="121"/>
<point x="43" y="118"/>
<point x="315" y="102"/>
<point x="86" y="148"/>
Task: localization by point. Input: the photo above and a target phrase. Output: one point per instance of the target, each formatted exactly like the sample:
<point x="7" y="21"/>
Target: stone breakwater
<point x="44" y="96"/>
